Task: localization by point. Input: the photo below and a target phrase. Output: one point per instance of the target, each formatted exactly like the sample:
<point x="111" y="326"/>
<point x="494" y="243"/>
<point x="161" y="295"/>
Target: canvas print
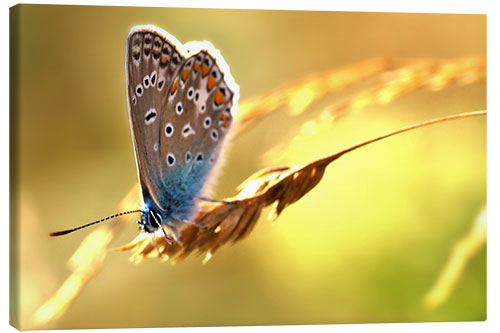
<point x="188" y="167"/>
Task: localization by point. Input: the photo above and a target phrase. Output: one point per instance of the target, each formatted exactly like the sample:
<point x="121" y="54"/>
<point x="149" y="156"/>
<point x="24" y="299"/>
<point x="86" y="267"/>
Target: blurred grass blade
<point x="463" y="251"/>
<point x="85" y="264"/>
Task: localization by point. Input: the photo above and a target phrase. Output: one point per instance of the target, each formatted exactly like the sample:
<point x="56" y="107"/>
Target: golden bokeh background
<point x="366" y="245"/>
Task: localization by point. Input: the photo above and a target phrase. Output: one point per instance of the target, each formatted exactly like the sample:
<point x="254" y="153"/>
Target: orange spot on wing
<point x="172" y="68"/>
<point x="174" y="86"/>
<point x="163" y="60"/>
<point x="224" y="116"/>
<point x="185" y="74"/>
<point x="225" y="123"/>
<point x="219" y="98"/>
<point x="196" y="66"/>
<point x="210" y="83"/>
<point x="204" y="70"/>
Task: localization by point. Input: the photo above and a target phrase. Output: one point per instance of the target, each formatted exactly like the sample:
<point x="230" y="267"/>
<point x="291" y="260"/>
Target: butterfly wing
<point x="199" y="113"/>
<point x="152" y="60"/>
<point x="180" y="111"/>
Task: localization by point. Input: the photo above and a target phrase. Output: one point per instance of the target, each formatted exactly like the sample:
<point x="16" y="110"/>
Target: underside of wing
<point x="197" y="119"/>
<point x="152" y="61"/>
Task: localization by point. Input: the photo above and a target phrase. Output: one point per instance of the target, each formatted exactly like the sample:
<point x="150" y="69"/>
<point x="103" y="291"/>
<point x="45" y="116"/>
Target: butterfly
<point x="181" y="101"/>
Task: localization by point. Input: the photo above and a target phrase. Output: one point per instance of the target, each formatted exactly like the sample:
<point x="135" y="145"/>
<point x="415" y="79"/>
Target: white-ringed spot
<point x="190" y="93"/>
<point x="207" y="122"/>
<point x="153" y="78"/>
<point x="214" y="135"/>
<point x="179" y="108"/>
<point x="150" y="116"/>
<point x="139" y="90"/>
<point x="146" y="81"/>
<point x="187" y="130"/>
<point x="170" y="159"/>
<point x="169" y="130"/>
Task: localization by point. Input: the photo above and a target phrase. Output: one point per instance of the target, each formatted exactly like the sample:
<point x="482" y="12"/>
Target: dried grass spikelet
<point x="234" y="218"/>
<point x="385" y="87"/>
<point x="300" y="94"/>
<point x="85" y="263"/>
<point x="428" y="73"/>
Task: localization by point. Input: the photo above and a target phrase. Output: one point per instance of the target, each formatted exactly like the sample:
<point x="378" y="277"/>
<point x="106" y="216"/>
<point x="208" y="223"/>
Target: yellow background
<point x="365" y="245"/>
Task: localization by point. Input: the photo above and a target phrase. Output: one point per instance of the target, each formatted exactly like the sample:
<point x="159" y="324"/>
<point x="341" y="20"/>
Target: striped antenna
<point x="65" y="232"/>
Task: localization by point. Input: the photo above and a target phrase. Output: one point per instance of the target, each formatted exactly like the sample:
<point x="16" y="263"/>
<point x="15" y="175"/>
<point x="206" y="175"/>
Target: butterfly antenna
<point x="65" y="232"/>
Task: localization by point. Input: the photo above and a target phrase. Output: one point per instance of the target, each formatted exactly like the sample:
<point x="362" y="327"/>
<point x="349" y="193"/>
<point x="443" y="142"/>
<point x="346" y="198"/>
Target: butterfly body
<point x="181" y="101"/>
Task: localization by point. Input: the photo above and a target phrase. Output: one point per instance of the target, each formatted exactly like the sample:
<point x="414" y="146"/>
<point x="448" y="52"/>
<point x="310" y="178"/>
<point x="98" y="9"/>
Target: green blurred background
<point x="365" y="245"/>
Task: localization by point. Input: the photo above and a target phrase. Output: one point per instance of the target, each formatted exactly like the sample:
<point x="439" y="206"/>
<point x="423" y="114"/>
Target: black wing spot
<point x="170" y="159"/>
<point x="176" y="59"/>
